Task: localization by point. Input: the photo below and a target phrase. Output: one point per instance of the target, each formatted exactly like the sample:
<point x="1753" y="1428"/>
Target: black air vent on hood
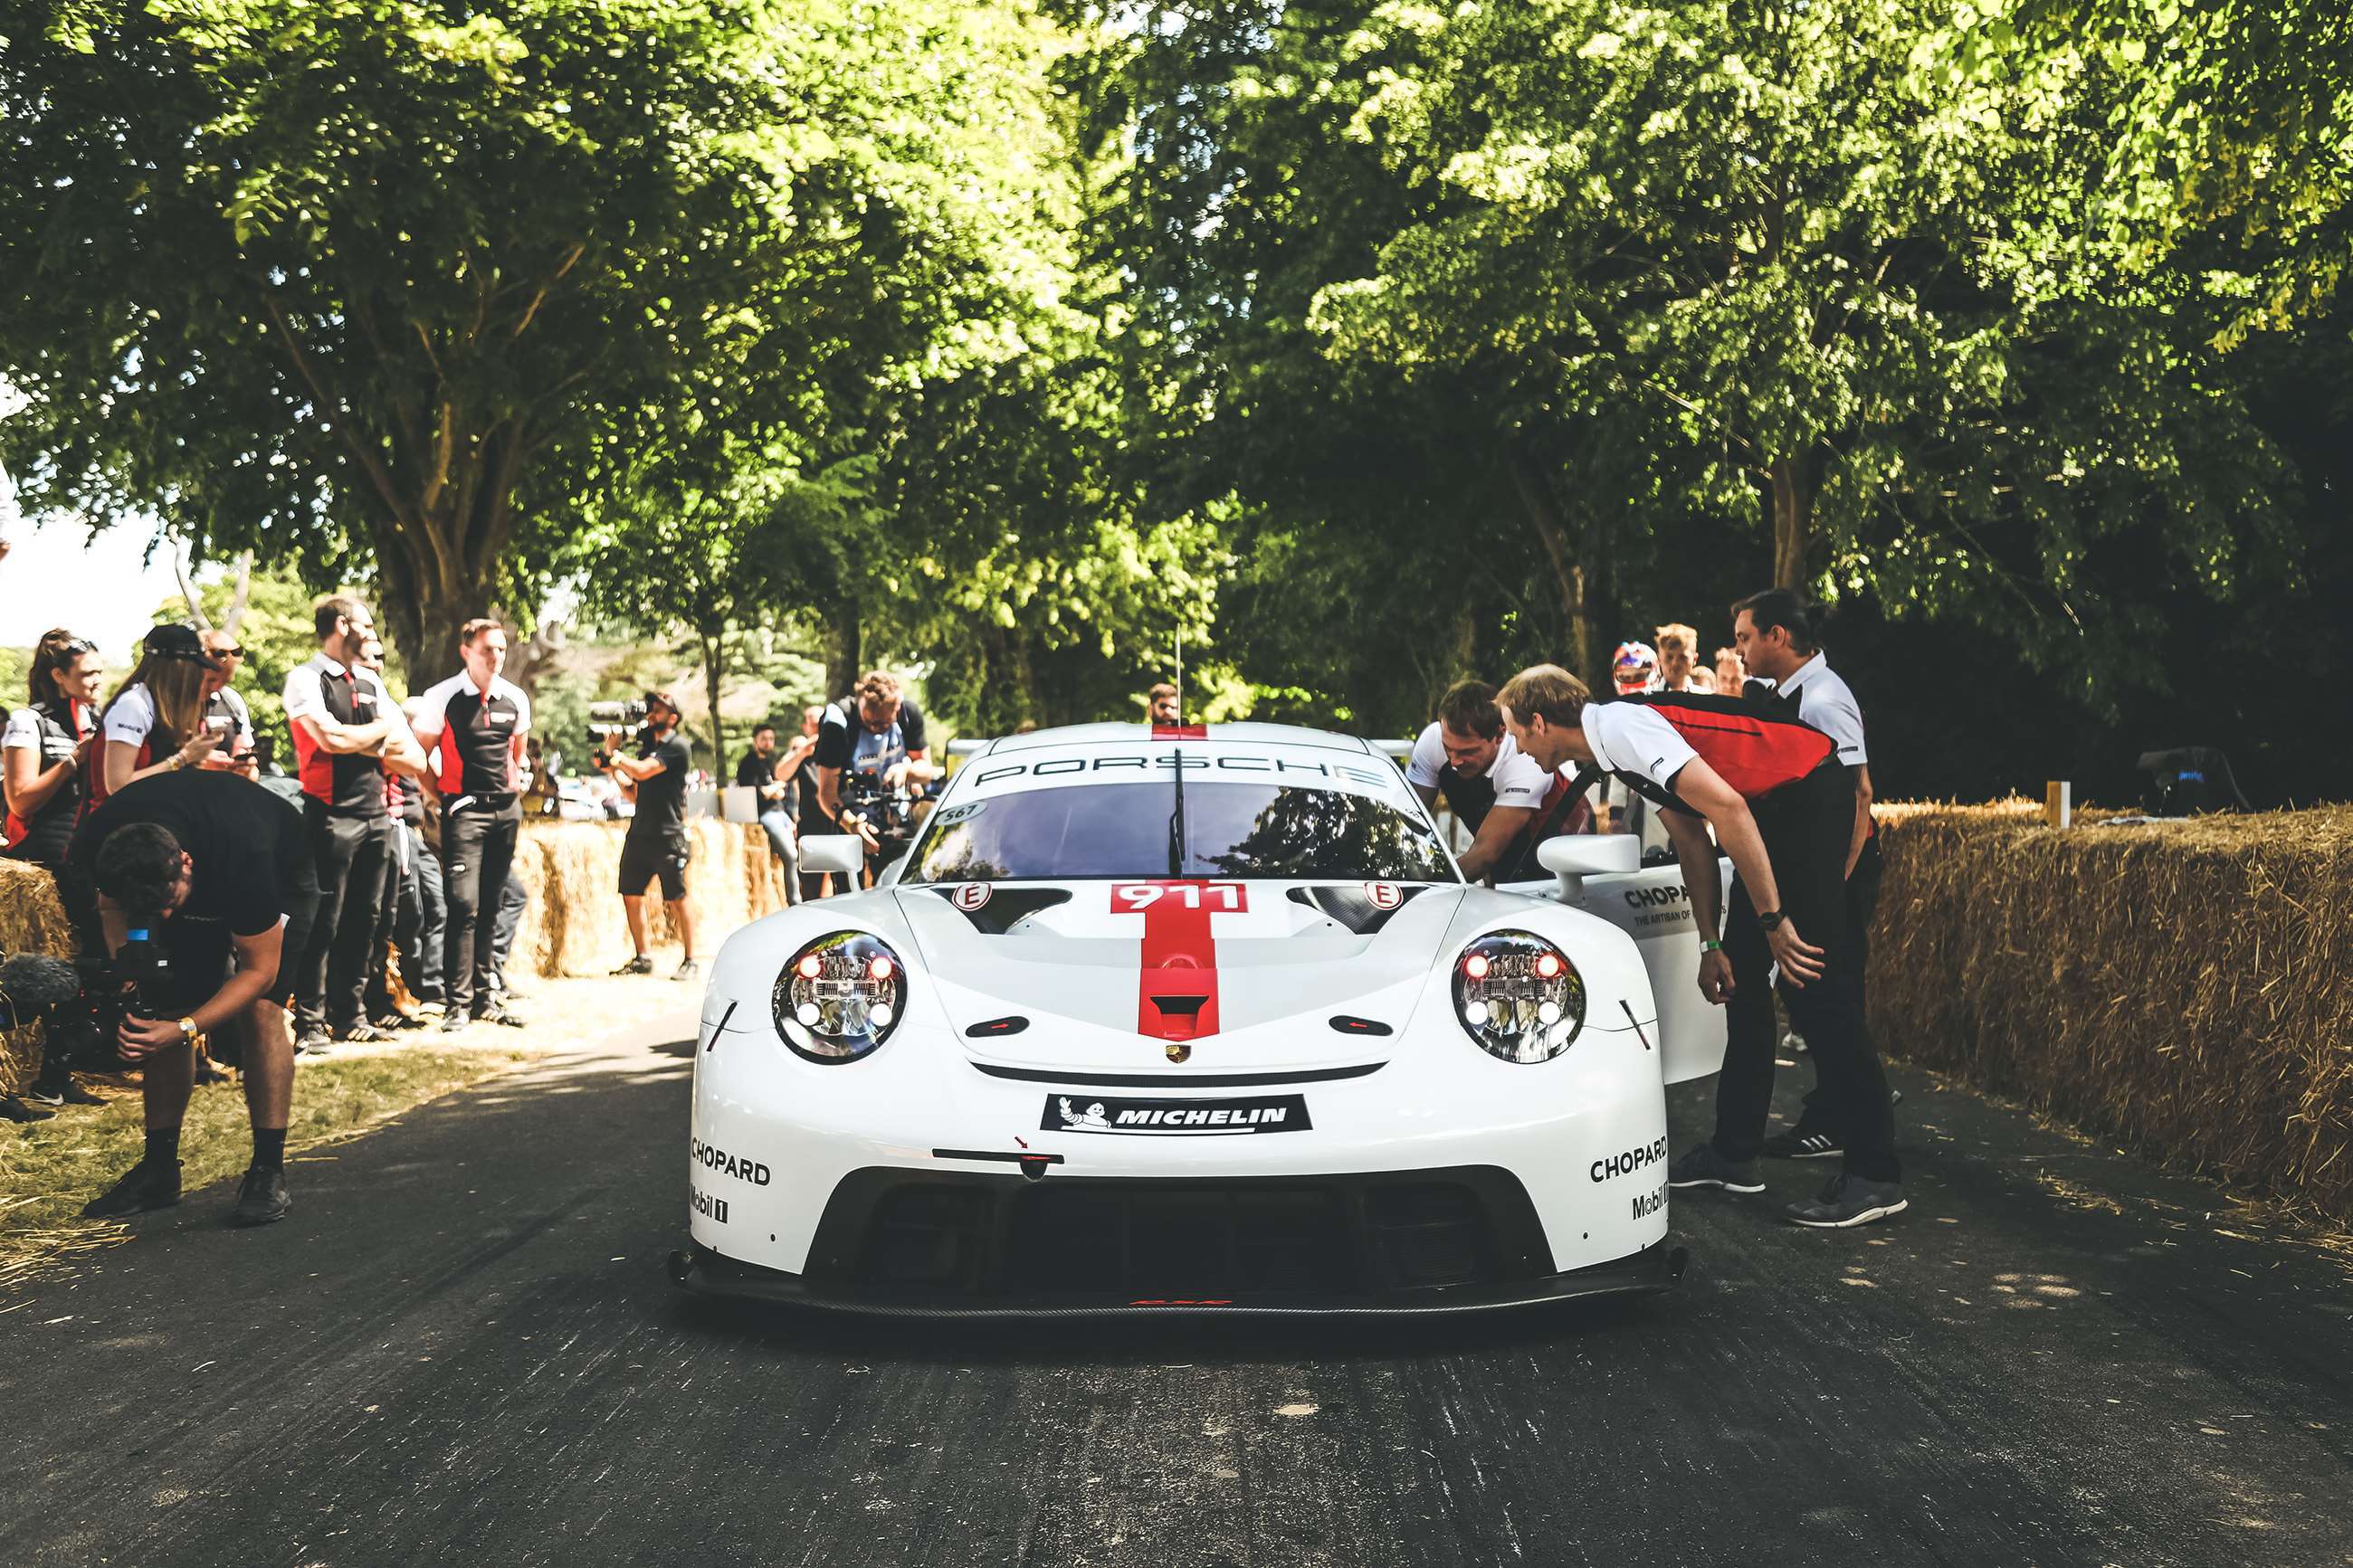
<point x="1005" y="905"/>
<point x="1353" y="907"/>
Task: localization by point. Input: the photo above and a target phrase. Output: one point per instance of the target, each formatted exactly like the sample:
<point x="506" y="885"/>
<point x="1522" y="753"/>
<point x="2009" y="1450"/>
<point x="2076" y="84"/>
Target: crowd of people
<point x="1759" y="757"/>
<point x="253" y="915"/>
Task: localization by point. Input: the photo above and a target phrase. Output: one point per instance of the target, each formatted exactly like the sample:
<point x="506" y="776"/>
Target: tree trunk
<point x="1793" y="519"/>
<point x="841" y="638"/>
<point x="712" y="653"/>
<point x="1544" y="517"/>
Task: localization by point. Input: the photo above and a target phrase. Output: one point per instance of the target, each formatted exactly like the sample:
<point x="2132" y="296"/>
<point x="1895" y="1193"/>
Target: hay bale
<point x="31" y="920"/>
<point x="2185" y="987"/>
<point x="577" y="925"/>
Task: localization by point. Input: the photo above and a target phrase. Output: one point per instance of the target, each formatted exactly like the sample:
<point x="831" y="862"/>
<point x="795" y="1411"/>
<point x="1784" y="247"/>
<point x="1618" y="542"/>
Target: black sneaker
<point x="688" y="969"/>
<point x="14" y="1109"/>
<point x="1847" y="1201"/>
<point x="640" y="964"/>
<point x="262" y="1199"/>
<point x="361" y="1034"/>
<point x="66" y="1093"/>
<point x="146" y="1187"/>
<point x="1702" y="1166"/>
<point x="1801" y="1144"/>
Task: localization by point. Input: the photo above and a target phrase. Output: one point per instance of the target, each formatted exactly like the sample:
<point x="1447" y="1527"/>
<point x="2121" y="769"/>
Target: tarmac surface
<point x="461" y="1346"/>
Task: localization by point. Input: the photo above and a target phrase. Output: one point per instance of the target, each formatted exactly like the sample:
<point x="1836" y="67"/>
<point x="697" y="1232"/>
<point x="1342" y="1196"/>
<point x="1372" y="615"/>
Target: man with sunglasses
<point x="226" y="713"/>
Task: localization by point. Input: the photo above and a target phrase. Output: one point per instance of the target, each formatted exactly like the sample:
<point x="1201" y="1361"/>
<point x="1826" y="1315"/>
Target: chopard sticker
<point x="1175" y="1118"/>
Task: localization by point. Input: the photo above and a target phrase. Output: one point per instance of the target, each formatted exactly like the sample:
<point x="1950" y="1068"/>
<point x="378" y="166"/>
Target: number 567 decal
<point x="1134" y="898"/>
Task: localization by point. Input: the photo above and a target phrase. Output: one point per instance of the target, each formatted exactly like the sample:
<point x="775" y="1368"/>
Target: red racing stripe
<point x="1176" y="989"/>
<point x="1180" y="732"/>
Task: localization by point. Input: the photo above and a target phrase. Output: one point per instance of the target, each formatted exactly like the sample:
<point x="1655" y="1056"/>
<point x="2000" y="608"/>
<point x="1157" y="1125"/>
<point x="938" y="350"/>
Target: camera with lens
<point x="608" y="721"/>
<point x="891" y="813"/>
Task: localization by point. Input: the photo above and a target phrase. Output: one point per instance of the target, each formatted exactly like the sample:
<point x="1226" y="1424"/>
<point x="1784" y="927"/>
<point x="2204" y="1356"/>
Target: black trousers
<point x="1806" y="827"/>
<point x="478" y="849"/>
<point x="350" y="856"/>
<point x="1862" y="909"/>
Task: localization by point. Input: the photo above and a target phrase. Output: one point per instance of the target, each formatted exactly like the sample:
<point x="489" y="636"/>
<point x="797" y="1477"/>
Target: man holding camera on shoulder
<point x="870" y="747"/>
<point x="657" y="844"/>
<point x="205" y="887"/>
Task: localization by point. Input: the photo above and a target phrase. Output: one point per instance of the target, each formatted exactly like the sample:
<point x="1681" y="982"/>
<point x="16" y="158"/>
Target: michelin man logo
<point x="1091" y="1118"/>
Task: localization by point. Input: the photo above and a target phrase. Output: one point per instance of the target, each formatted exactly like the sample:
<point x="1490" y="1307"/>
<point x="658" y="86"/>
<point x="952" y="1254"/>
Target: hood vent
<point x="1353" y="907"/>
<point x="1005" y="907"/>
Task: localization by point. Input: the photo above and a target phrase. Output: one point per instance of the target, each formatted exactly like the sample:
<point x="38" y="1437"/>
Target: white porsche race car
<point x="1180" y="1019"/>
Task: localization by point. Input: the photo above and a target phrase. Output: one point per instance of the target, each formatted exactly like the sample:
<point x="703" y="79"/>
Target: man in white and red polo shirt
<point x="475" y="723"/>
<point x="345" y="729"/>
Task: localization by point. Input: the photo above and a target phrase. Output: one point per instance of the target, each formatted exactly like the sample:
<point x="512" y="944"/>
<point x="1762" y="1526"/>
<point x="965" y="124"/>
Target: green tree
<point x="325" y="277"/>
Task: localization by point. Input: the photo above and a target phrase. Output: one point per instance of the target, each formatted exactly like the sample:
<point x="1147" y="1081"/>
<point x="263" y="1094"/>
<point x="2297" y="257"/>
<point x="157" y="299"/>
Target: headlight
<point x="1518" y="996"/>
<point x="840" y="997"/>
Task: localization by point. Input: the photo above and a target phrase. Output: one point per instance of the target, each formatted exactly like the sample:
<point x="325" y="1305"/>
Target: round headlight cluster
<point x="1518" y="996"/>
<point x="841" y="997"/>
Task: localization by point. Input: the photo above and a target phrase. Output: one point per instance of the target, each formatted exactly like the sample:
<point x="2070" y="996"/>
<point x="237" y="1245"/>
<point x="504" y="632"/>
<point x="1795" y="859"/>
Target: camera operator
<point x="870" y="747"/>
<point x="219" y="873"/>
<point x="777" y="778"/>
<point x="657" y="844"/>
<point x="476" y="723"/>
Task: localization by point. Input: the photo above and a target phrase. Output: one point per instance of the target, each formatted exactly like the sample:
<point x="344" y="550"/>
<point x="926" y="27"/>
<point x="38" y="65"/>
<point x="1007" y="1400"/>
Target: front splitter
<point x="1656" y="1268"/>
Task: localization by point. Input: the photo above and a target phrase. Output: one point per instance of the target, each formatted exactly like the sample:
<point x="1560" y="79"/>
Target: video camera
<point x="84" y="1001"/>
<point x="609" y="720"/>
<point x="894" y="815"/>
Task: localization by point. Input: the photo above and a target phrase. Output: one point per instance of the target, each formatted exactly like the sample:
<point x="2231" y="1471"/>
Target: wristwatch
<point x="1770" y="919"/>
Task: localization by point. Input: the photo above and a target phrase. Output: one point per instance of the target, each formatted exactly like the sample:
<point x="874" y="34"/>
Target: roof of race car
<point x="1130" y="735"/>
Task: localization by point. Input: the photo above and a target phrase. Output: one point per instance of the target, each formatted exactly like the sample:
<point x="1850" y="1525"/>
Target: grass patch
<point x="49" y="1169"/>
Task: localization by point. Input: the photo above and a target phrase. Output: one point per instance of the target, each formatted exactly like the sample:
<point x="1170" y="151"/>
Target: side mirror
<point x="843" y="854"/>
<point x="1573" y="856"/>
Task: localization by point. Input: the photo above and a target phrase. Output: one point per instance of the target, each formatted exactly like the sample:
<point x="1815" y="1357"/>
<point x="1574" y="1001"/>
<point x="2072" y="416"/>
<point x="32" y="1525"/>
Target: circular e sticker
<point x="970" y="896"/>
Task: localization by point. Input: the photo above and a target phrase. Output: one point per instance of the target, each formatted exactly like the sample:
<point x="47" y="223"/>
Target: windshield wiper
<point x="1176" y="820"/>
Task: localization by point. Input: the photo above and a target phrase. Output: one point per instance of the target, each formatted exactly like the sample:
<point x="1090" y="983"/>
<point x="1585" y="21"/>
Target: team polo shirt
<point x="347" y="785"/>
<point x="1648" y="738"/>
<point x="1825" y="701"/>
<point x="471" y="734"/>
<point x="1514" y="779"/>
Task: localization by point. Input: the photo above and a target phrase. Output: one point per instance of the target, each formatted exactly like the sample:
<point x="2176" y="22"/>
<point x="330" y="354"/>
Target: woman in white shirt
<point x="155" y="721"/>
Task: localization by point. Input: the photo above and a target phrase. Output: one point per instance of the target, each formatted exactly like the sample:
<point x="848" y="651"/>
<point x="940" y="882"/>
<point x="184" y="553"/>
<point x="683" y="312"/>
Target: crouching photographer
<point x="873" y="766"/>
<point x="204" y="892"/>
<point x="657" y="845"/>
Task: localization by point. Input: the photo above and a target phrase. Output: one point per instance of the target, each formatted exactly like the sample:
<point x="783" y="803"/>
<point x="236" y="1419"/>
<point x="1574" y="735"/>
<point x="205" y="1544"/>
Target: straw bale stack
<point x="2186" y="988"/>
<point x="574" y="924"/>
<point x="31" y="920"/>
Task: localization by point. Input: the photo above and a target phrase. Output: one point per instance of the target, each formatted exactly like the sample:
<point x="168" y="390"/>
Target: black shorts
<point x="201" y="956"/>
<point x="643" y="859"/>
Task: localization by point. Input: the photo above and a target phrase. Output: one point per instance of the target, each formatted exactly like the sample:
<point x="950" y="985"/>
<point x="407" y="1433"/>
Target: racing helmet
<point x="1634" y="667"/>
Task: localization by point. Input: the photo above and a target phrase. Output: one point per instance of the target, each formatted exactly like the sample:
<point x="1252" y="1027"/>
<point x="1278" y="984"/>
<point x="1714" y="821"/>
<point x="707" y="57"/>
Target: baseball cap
<point x="1632" y="665"/>
<point x="173" y="640"/>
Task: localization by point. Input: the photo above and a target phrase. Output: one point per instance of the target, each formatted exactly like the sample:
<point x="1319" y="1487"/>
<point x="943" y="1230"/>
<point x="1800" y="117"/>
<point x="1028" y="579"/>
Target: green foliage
<point x="325" y="277"/>
<point x="1606" y="280"/>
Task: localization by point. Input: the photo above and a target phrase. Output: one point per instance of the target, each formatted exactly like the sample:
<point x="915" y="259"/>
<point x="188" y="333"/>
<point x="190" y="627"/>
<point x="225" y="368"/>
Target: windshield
<point x="1110" y="830"/>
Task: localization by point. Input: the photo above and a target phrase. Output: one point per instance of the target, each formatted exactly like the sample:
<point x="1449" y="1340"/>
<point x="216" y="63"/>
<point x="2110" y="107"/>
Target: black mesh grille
<point x="981" y="1236"/>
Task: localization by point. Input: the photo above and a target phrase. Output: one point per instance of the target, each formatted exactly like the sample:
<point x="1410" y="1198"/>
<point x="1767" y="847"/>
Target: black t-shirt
<point x="756" y="772"/>
<point x="247" y="844"/>
<point x="661" y="799"/>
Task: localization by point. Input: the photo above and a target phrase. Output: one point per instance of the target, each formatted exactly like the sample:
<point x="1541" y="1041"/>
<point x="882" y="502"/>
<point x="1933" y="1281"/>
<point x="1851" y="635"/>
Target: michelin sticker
<point x="1175" y="1118"/>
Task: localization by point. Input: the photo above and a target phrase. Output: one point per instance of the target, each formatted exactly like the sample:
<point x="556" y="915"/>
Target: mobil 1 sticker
<point x="1175" y="1117"/>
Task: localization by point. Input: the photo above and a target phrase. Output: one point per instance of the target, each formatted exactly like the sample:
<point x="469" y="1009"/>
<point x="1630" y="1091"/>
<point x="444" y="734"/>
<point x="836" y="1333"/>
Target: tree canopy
<point x="1353" y="346"/>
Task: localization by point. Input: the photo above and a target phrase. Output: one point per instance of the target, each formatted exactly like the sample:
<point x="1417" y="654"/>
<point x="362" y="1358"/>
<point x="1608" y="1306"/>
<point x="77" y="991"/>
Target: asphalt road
<point x="461" y="1347"/>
